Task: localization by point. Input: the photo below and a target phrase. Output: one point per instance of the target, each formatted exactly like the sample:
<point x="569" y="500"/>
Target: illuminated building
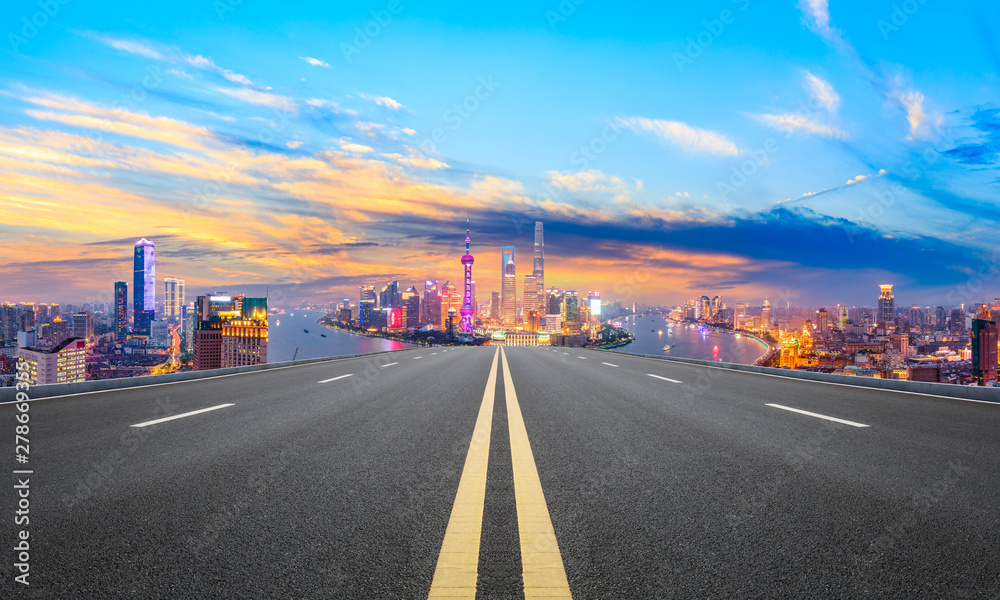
<point x="83" y="325"/>
<point x="344" y="315"/>
<point x="366" y="293"/>
<point x="508" y="290"/>
<point x="538" y="266"/>
<point x="765" y="315"/>
<point x="531" y="293"/>
<point x="553" y="323"/>
<point x="467" y="310"/>
<point x="594" y="302"/>
<point x="143" y="286"/>
<point x="555" y="301"/>
<point x="822" y="321"/>
<point x="534" y="320"/>
<point x="389" y="297"/>
<point x="583" y="316"/>
<point x="173" y="298"/>
<point x="901" y="342"/>
<point x="450" y="298"/>
<point x="366" y="312"/>
<point x="571" y="308"/>
<point x="495" y="305"/>
<point x="121" y="310"/>
<point x="984" y="350"/>
<point x="716" y="306"/>
<point x="739" y="315"/>
<point x="64" y="363"/>
<point x="395" y="318"/>
<point x="8" y="323"/>
<point x="411" y="302"/>
<point x="207" y="349"/>
<point x="244" y="342"/>
<point x="520" y="338"/>
<point x="886" y="315"/>
<point x="704" y="308"/>
<point x="431" y="304"/>
<point x="789" y="354"/>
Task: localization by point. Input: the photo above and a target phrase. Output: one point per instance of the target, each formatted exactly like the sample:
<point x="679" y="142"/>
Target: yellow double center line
<point x="458" y="564"/>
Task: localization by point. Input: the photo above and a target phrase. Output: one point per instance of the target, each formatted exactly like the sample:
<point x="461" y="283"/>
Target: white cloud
<point x="256" y="97"/>
<point x="857" y="179"/>
<point x="923" y="124"/>
<point x="207" y="64"/>
<point x="689" y="139"/>
<point x="315" y="61"/>
<point x="822" y="92"/>
<point x="385" y="101"/>
<point x="293" y="144"/>
<point x="132" y="47"/>
<point x="588" y="181"/>
<point x="796" y="123"/>
<point x="881" y="172"/>
<point x="352" y="147"/>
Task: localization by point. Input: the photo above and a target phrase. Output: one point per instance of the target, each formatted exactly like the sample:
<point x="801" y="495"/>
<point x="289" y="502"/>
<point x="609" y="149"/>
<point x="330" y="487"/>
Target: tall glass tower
<point x="508" y="291"/>
<point x="121" y="310"/>
<point x="143" y="286"/>
<point x="538" y="268"/>
<point x="467" y="310"/>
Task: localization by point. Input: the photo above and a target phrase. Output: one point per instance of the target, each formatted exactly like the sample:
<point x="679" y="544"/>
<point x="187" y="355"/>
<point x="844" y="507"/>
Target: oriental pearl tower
<point x="467" y="310"/>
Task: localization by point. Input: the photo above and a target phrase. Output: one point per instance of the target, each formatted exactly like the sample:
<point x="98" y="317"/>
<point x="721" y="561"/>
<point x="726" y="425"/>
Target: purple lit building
<point x="467" y="310"/>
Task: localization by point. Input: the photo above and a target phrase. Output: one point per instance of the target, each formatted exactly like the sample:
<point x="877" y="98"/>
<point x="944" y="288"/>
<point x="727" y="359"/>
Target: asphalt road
<point x="339" y="479"/>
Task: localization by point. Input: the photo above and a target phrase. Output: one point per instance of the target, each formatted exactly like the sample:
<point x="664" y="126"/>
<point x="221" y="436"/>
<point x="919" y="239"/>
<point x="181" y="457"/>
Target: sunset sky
<point x="279" y="144"/>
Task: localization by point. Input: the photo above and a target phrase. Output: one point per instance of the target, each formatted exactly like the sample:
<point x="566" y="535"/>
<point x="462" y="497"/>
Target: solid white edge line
<point x="181" y="416"/>
<point x="817" y="415"/>
<point x="609" y="364"/>
<point x="664" y="378"/>
<point x="785" y="377"/>
<point x="336" y="378"/>
<point x="388" y="365"/>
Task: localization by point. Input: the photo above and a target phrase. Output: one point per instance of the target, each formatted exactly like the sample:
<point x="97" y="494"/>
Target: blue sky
<point x="867" y="133"/>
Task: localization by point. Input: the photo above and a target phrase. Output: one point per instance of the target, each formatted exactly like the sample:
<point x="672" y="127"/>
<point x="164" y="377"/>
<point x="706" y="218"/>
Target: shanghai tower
<point x="538" y="269"/>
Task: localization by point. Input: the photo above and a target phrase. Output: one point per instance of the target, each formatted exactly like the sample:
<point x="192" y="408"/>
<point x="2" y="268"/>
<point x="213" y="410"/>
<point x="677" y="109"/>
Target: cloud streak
<point x="689" y="139"/>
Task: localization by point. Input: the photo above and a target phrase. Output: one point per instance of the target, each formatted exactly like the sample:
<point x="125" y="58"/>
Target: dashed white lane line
<point x="583" y="357"/>
<point x="433" y="353"/>
<point x="818" y="416"/>
<point x="388" y="365"/>
<point x="336" y="378"/>
<point x="181" y="416"/>
<point x="609" y="364"/>
<point x="417" y="357"/>
<point x="664" y="378"/>
<point x="566" y="353"/>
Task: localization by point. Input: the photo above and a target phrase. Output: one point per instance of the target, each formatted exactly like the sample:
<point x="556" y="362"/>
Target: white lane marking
<point x="336" y="378"/>
<point x="609" y="364"/>
<point x="417" y="357"/>
<point x="566" y="353"/>
<point x="433" y="353"/>
<point x="187" y="414"/>
<point x="388" y="365"/>
<point x="818" y="416"/>
<point x="583" y="357"/>
<point x="664" y="378"/>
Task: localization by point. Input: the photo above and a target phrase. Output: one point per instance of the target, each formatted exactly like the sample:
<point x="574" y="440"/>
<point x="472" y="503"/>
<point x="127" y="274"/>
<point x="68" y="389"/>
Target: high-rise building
<point x="173" y="298"/>
<point x="495" y="305"/>
<point x="886" y="315"/>
<point x="765" y="315"/>
<point x="508" y="290"/>
<point x="530" y="299"/>
<point x="716" y="306"/>
<point x="8" y="323"/>
<point x="411" y="302"/>
<point x="467" y="310"/>
<point x="64" y="363"/>
<point x="431" y="305"/>
<point x="451" y="297"/>
<point x="594" y="302"/>
<point x="555" y="302"/>
<point x="83" y="325"/>
<point x="822" y="321"/>
<point x="121" y="310"/>
<point x="367" y="292"/>
<point x="366" y="314"/>
<point x="705" y="308"/>
<point x="571" y="307"/>
<point x="390" y="297"/>
<point x="984" y="351"/>
<point x="143" y="286"/>
<point x="538" y="266"/>
<point x="244" y="338"/>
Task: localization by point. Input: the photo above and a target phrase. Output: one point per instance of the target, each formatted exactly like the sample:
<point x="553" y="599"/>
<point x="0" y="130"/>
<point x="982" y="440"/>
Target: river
<point x="652" y="333"/>
<point x="285" y="337"/>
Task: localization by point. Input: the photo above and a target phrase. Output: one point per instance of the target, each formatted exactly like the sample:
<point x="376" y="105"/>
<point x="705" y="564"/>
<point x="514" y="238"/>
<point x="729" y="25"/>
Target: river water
<point x="285" y="337"/>
<point x="652" y="333"/>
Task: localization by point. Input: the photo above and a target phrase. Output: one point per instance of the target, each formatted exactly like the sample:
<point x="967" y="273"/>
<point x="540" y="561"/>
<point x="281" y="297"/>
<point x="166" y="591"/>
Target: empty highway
<point x="513" y="473"/>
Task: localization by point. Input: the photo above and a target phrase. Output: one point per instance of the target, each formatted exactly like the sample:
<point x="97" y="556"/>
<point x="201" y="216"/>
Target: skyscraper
<point x="121" y="310"/>
<point x="411" y="301"/>
<point x="431" y="304"/>
<point x="886" y="306"/>
<point x="173" y="298"/>
<point x="765" y="315"/>
<point x="822" y="320"/>
<point x="538" y="267"/>
<point x="467" y="311"/>
<point x="984" y="350"/>
<point x="143" y="286"/>
<point x="530" y="297"/>
<point x="390" y="297"/>
<point x="508" y="290"/>
<point x="495" y="305"/>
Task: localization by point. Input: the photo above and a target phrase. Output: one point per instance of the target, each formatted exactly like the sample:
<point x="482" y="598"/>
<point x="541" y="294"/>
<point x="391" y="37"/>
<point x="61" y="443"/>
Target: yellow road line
<point x="458" y="564"/>
<point x="542" y="565"/>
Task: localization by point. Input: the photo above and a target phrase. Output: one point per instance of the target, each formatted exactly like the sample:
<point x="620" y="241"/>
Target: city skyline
<point x="863" y="150"/>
